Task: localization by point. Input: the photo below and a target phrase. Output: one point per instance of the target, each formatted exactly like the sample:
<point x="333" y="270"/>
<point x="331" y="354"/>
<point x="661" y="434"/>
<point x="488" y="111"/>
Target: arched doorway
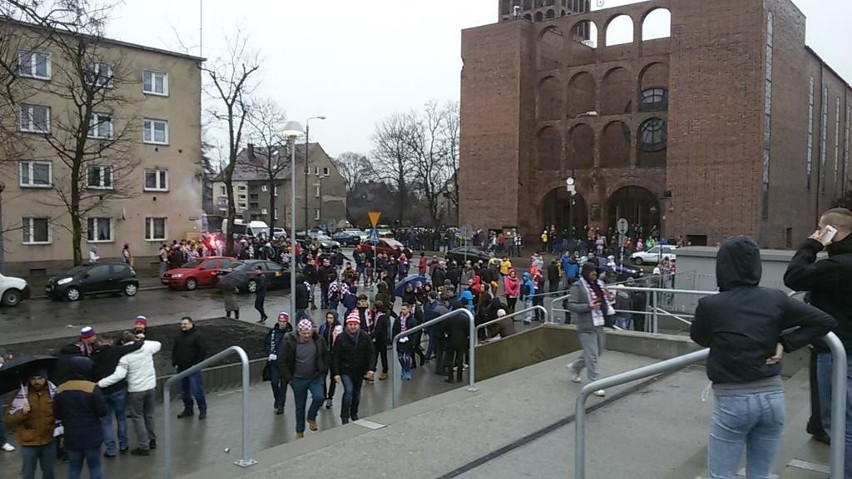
<point x="638" y="205"/>
<point x="561" y="209"/>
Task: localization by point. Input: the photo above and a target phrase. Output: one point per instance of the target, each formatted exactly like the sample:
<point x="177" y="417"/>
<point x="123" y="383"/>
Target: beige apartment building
<point x="140" y="181"/>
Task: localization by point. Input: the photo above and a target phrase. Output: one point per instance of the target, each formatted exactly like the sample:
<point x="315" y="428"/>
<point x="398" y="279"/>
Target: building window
<point x="156" y="180"/>
<point x="155" y="131"/>
<point x="99" y="74"/>
<point x="241" y="187"/>
<point x="35" y="174"/>
<point x="823" y="128"/>
<point x="264" y="188"/>
<point x="846" y="150"/>
<point x="35" y="118"/>
<point x="223" y="191"/>
<point x="653" y="135"/>
<point x="325" y="171"/>
<point x="35" y="230"/>
<point x="809" y="159"/>
<point x="264" y="211"/>
<point x="155" y="229"/>
<point x="654" y="99"/>
<point x="155" y="83"/>
<point x="275" y="191"/>
<point x="316" y="191"/>
<point x="99" y="177"/>
<point x="34" y="64"/>
<point x="276" y="213"/>
<point x="99" y="230"/>
<point x="317" y="215"/>
<point x="100" y="126"/>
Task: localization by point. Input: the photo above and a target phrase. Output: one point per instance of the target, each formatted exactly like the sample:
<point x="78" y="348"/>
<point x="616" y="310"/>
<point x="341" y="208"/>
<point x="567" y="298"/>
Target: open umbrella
<point x="400" y="286"/>
<point x="14" y="371"/>
<point x="233" y="280"/>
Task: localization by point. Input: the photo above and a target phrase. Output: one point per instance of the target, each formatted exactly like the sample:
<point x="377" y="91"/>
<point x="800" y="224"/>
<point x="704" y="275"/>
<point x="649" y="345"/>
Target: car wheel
<point x="11" y="297"/>
<point x="191" y="284"/>
<point x="72" y="294"/>
<point x="252" y="286"/>
<point x="637" y="261"/>
<point x="131" y="289"/>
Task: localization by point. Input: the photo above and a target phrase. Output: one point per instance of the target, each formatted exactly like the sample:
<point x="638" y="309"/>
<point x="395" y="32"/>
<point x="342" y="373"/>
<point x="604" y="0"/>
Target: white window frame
<point x="98" y="119"/>
<point x="89" y="227"/>
<point x="28" y="230"/>
<point x="275" y="191"/>
<point x="161" y="178"/>
<point x="27" y="110"/>
<point x="32" y="66"/>
<point x="223" y="190"/>
<point x="316" y="170"/>
<point x="316" y="191"/>
<point x="95" y="68"/>
<point x="149" y="131"/>
<point x="276" y="213"/>
<point x="153" y="90"/>
<point x="317" y="214"/>
<point x="264" y="188"/>
<point x="325" y="171"/>
<point x="29" y="166"/>
<point x="264" y="211"/>
<point x="103" y="171"/>
<point x="150" y="230"/>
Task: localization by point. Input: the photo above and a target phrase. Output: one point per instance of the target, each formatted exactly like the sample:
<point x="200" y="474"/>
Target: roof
<point x="110" y="41"/>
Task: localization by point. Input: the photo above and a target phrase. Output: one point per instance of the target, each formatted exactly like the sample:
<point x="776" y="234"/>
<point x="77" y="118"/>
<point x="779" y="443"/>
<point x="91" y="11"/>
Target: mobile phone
<point x="830" y="231"/>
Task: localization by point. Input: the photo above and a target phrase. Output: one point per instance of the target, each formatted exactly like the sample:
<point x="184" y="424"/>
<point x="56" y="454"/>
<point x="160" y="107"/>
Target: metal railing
<point x="472" y="352"/>
<point x="245" y="461"/>
<point x="516" y="313"/>
<point x="838" y="400"/>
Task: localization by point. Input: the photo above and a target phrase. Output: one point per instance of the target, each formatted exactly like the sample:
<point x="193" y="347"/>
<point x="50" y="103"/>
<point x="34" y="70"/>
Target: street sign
<point x="374" y="236"/>
<point x="374" y="217"/>
<point x="622" y="226"/>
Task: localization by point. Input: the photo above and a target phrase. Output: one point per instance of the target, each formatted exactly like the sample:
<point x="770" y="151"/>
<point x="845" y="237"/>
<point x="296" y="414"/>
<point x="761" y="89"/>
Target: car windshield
<point x="190" y="264"/>
<point x="242" y="267"/>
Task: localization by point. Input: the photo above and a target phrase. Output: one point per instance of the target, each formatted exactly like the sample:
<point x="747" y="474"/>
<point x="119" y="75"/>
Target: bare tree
<point x="393" y="157"/>
<point x="268" y="156"/>
<point x="232" y="80"/>
<point x="96" y="148"/>
<point x="450" y="135"/>
<point x="355" y="169"/>
<point x="430" y="158"/>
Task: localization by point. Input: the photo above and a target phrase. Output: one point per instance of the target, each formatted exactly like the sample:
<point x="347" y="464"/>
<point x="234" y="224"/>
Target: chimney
<point x="251" y="151"/>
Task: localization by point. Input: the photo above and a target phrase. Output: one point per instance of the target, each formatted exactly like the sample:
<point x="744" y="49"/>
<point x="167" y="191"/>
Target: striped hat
<point x="87" y="332"/>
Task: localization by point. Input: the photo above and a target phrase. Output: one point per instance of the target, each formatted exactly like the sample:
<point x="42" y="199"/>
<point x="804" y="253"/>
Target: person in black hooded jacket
<point x="105" y="357"/>
<point x="80" y="405"/>
<point x="747" y="328"/>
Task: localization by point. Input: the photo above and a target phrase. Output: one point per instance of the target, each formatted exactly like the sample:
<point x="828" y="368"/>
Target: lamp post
<point x="572" y="180"/>
<point x="320" y="177"/>
<point x="307" y="151"/>
<point x="292" y="130"/>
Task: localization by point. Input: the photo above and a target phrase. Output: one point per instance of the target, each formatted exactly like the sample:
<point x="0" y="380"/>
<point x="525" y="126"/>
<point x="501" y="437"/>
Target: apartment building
<point x="320" y="189"/>
<point x="135" y="172"/>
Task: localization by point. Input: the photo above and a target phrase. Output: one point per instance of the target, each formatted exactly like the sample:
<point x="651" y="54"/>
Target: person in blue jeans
<point x="748" y="328"/>
<point x="353" y="359"/>
<point x="304" y="363"/>
<point x="80" y="406"/>
<point x="188" y="350"/>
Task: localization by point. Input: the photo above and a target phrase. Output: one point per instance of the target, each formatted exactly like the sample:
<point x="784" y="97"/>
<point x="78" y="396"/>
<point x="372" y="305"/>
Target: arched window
<point x="539" y="17"/>
<point x="539" y="3"/>
<point x="654" y="99"/>
<point x="653" y="135"/>
<point x="550" y="14"/>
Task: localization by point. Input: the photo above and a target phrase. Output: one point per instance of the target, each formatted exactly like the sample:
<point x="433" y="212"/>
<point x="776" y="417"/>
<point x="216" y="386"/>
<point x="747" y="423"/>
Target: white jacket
<point x="137" y="367"/>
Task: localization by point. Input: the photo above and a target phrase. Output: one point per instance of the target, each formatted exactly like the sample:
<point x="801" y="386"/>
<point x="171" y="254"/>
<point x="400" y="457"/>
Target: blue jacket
<point x="570" y="268"/>
<point x="80" y="405"/>
<point x="527" y="281"/>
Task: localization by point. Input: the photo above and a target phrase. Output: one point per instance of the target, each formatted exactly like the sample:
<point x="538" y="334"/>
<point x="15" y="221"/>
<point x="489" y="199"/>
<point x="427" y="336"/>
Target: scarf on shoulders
<point x="597" y="292"/>
<point x="22" y="397"/>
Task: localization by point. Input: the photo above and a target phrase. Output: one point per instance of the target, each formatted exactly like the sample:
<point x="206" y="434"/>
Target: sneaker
<point x="354" y="417"/>
<point x="279" y="410"/>
<point x="383" y="376"/>
<point x="328" y="403"/>
<point x="185" y="413"/>
<point x="8" y="447"/>
<point x="202" y="415"/>
<point x="600" y="393"/>
<point x="109" y="456"/>
<point x="312" y="425"/>
<point x="152" y="444"/>
<point x="345" y="421"/>
<point x="300" y="435"/>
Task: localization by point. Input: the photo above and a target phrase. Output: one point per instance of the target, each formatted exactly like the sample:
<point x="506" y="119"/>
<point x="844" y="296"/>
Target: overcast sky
<point x="356" y="62"/>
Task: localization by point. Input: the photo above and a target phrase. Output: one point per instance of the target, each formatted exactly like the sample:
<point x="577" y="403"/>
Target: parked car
<point x="347" y="237"/>
<point x="277" y="276"/>
<point x="199" y="272"/>
<point x="278" y="232"/>
<point x="388" y="246"/>
<point x="13" y="290"/>
<point x="624" y="271"/>
<point x="653" y="255"/>
<point x="473" y="254"/>
<point x="96" y="278"/>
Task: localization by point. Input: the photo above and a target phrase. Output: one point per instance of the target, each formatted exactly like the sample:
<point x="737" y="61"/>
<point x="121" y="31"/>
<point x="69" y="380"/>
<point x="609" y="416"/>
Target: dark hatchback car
<point x="277" y="276"/>
<point x="473" y="254"/>
<point x="347" y="238"/>
<point x="103" y="277"/>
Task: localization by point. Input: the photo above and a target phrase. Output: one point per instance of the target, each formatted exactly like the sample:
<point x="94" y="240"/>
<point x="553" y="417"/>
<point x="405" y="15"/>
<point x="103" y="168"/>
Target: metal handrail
<point x="838" y="400"/>
<point x="516" y="313"/>
<point x="245" y="461"/>
<point x="472" y="349"/>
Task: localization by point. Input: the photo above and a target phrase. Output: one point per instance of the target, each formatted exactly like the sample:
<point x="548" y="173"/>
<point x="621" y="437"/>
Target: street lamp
<point x="292" y="130"/>
<point x="570" y="182"/>
<point x="307" y="147"/>
<point x="320" y="176"/>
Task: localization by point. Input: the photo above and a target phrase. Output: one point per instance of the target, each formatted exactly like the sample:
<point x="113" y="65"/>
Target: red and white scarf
<point x="22" y="398"/>
<point x="597" y="314"/>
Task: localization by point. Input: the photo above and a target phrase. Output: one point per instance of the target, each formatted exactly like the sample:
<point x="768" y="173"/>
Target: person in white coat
<point x="138" y="368"/>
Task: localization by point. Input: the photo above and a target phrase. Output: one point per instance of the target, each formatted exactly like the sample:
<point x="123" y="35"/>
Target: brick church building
<point x="726" y="123"/>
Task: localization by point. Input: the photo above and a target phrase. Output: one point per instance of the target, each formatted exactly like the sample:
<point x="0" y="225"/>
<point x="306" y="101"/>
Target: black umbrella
<point x="400" y="286"/>
<point x="233" y="280"/>
<point x="14" y="372"/>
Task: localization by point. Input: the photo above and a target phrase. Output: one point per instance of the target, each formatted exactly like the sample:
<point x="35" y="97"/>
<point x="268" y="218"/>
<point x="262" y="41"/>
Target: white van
<point x="253" y="228"/>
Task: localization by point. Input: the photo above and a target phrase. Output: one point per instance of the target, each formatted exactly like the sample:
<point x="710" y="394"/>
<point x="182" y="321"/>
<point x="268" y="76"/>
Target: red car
<point x="389" y="246"/>
<point x="199" y="272"/>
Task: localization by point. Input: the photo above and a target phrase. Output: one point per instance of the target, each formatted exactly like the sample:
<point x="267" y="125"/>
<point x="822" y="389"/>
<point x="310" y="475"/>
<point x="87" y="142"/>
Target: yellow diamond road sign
<point x="374" y="217"/>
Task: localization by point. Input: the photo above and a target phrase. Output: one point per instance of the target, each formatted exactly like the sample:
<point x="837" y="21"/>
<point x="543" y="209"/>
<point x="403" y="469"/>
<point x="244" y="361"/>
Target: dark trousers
<point x="92" y="458"/>
<point x="329" y="385"/>
<point x="381" y="351"/>
<point x="351" y="395"/>
<point x="324" y="291"/>
<point x="259" y="298"/>
<point x="279" y="393"/>
<point x="454" y="358"/>
<point x="191" y="387"/>
<point x="814" y="426"/>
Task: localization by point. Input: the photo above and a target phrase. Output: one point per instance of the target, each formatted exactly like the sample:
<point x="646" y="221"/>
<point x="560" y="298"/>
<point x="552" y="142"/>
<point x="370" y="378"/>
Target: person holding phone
<point x="828" y="282"/>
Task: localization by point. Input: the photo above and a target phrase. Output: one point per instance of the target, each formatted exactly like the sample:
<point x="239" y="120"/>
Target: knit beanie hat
<point x="353" y="317"/>
<point x="141" y="320"/>
<point x="283" y="315"/>
<point x="87" y="332"/>
<point x="305" y="325"/>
